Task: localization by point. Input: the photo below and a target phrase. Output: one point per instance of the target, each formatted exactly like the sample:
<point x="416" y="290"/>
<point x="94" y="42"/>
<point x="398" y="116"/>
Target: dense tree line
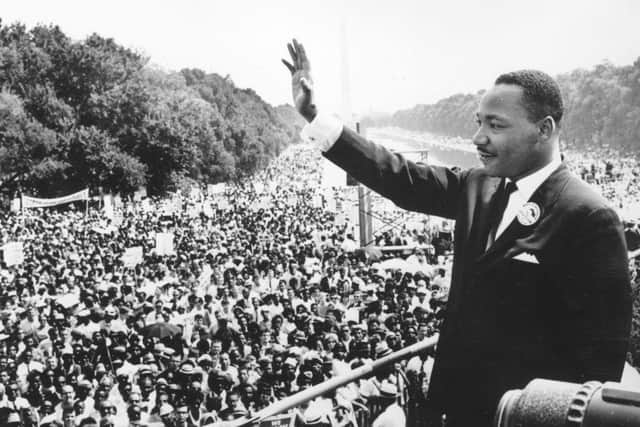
<point x="602" y="110"/>
<point x="93" y="113"/>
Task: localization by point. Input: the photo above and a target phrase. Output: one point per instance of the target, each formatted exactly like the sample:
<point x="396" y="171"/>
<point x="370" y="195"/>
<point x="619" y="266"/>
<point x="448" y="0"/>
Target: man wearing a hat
<point x="173" y="364"/>
<point x="421" y="299"/>
<point x="315" y="416"/>
<point x="393" y="414"/>
<point x="166" y="414"/>
<point x="84" y="395"/>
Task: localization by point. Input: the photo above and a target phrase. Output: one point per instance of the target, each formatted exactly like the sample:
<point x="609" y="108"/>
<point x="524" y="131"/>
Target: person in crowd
<point x="392" y="414"/>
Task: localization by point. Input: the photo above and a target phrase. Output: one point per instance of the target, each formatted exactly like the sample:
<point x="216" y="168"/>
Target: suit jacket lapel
<point x="544" y="196"/>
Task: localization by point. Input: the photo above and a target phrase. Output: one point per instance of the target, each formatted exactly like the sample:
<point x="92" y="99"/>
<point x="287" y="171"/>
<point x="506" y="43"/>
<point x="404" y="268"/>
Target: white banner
<point x="132" y="256"/>
<point x="34" y="202"/>
<point x="13" y="253"/>
<point x="15" y="205"/>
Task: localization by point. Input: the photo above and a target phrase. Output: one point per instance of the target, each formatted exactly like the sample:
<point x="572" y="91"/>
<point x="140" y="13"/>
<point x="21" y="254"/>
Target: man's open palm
<point x="301" y="82"/>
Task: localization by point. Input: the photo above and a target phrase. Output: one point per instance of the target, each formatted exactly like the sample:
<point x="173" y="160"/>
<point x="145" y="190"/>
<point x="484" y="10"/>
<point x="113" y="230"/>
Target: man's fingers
<point x="304" y="62"/>
<point x="292" y="52"/>
<point x="299" y="49"/>
<point x="289" y="66"/>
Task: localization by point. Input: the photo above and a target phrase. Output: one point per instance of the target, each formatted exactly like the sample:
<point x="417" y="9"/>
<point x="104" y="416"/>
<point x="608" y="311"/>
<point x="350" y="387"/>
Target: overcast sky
<point x="399" y="53"/>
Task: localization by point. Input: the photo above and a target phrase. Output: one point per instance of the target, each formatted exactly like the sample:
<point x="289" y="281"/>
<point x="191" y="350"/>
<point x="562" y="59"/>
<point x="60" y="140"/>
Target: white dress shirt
<point x="525" y="188"/>
<point x="323" y="131"/>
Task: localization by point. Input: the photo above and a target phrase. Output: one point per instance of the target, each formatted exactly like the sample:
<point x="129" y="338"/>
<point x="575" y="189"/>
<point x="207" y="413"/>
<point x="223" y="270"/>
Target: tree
<point x="602" y="108"/>
<point x="28" y="150"/>
<point x="92" y="112"/>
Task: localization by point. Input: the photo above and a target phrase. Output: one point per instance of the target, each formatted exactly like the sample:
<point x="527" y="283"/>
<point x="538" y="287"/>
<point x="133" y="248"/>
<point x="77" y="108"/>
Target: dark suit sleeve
<point x="596" y="296"/>
<point x="429" y="189"/>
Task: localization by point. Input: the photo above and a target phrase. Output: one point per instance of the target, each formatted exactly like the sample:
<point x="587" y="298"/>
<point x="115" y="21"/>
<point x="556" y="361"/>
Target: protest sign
<point x="283" y="420"/>
<point x="108" y="206"/>
<point x="132" y="256"/>
<point x="164" y="244"/>
<point x="207" y="210"/>
<point x="117" y="201"/>
<point x="13" y="253"/>
<point x="331" y="204"/>
<point x="194" y="210"/>
<point x="216" y="188"/>
<point x="146" y="206"/>
<point x="117" y="219"/>
<point x="195" y="193"/>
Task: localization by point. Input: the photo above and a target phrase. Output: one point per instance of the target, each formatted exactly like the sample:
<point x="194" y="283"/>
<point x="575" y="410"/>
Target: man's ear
<point x="546" y="128"/>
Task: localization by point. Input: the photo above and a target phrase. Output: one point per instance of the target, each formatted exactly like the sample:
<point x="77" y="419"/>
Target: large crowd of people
<point x="263" y="292"/>
<point x="616" y="177"/>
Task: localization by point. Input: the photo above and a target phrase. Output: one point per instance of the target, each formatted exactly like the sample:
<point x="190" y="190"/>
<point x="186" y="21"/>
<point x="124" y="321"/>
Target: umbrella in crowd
<point x="161" y="330"/>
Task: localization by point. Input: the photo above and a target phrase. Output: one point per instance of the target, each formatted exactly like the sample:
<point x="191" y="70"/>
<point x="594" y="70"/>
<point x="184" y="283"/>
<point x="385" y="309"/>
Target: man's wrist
<point x="322" y="131"/>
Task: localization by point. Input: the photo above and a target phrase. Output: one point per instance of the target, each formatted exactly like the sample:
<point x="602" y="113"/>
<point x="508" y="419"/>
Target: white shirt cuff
<point x="323" y="131"/>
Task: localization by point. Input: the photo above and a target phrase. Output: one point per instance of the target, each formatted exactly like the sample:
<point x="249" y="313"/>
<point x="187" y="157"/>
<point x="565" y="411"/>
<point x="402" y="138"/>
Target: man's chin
<point x="490" y="169"/>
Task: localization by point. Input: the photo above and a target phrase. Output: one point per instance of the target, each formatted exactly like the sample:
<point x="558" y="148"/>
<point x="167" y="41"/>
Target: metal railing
<point x="366" y="412"/>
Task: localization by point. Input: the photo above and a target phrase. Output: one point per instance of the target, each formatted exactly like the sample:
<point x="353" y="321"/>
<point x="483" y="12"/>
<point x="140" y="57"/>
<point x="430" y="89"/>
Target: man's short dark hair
<point x="541" y="93"/>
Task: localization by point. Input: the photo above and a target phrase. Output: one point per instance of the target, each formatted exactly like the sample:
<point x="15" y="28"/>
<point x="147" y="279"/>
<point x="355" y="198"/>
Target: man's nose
<point x="480" y="138"/>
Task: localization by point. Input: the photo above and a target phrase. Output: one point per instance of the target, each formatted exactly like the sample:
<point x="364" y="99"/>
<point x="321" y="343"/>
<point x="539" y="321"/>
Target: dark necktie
<point x="502" y="200"/>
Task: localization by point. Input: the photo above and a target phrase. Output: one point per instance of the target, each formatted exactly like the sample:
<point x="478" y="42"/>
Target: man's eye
<point x="495" y="125"/>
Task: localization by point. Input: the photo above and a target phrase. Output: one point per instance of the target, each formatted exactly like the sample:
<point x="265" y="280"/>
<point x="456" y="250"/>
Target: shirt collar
<point x="530" y="183"/>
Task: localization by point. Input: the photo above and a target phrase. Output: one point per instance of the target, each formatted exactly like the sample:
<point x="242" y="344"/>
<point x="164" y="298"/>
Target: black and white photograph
<point x="346" y="213"/>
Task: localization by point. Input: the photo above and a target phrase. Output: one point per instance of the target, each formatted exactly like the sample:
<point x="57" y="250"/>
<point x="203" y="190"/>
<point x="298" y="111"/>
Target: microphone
<point x="546" y="403"/>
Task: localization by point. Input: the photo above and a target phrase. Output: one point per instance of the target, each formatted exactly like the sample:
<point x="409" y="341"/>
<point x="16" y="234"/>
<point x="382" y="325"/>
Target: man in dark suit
<point x="540" y="283"/>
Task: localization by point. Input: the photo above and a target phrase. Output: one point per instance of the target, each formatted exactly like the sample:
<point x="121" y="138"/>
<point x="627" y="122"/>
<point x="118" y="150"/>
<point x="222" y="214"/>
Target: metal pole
<point x="322" y="388"/>
<point x="364" y="207"/>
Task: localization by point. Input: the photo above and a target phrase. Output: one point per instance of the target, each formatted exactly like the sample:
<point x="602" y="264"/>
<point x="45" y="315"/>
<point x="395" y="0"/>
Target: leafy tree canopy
<point x="93" y="113"/>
